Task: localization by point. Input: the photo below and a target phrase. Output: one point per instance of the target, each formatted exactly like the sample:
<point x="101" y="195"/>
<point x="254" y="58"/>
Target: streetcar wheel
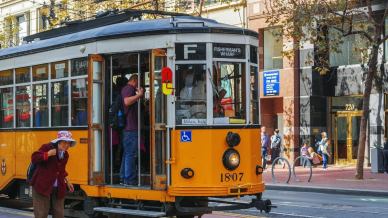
<point x="268" y="205"/>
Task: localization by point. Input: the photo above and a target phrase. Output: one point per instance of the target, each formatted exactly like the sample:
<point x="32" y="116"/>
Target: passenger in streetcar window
<point x="49" y="180"/>
<point x="41" y="114"/>
<point x="131" y="93"/>
<point x="218" y="109"/>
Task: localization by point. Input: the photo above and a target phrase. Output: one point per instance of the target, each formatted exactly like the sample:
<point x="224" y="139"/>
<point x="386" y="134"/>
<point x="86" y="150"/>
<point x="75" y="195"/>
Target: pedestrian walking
<point x="385" y="152"/>
<point x="49" y="180"/>
<point x="276" y="142"/>
<point x="264" y="146"/>
<point x="323" y="149"/>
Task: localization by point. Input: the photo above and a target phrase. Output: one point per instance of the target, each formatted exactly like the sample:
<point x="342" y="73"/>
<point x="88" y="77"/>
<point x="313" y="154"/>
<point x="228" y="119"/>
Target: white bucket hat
<point x="64" y="136"/>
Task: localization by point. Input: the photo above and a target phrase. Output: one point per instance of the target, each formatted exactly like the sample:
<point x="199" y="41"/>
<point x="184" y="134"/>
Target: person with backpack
<point x="117" y="123"/>
<point x="130" y="94"/>
<point x="49" y="180"/>
<point x="276" y="142"/>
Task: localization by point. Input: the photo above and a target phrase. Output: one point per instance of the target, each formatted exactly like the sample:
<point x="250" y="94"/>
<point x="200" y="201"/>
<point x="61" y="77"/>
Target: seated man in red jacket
<point x="49" y="180"/>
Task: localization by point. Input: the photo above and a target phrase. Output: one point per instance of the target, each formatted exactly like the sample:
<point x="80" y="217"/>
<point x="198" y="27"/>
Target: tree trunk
<point x="372" y="68"/>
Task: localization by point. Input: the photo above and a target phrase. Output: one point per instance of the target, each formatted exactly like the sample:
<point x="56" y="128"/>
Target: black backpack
<point x="117" y="118"/>
<point x="30" y="172"/>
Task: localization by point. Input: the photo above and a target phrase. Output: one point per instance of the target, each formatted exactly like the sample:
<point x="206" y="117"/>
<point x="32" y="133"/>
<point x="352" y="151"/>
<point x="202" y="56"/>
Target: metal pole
<point x="138" y="123"/>
<point x="110" y="128"/>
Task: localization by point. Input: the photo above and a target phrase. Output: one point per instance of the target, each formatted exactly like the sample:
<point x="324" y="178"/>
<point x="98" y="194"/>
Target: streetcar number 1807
<point x="231" y="177"/>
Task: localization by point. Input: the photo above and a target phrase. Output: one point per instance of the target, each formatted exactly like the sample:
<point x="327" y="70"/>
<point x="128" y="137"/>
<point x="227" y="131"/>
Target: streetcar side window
<point x="22" y="75"/>
<point x="59" y="103"/>
<point x="79" y="100"/>
<point x="79" y="67"/>
<point x="6" y="77"/>
<point x="59" y="70"/>
<point x="6" y="108"/>
<point x="254" y="86"/>
<point x="40" y="72"/>
<point x="228" y="95"/>
<point x="191" y="94"/>
<point x="40" y="105"/>
<point x="23" y="106"/>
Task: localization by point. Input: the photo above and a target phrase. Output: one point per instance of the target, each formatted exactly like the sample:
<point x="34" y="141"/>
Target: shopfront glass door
<point x="346" y="137"/>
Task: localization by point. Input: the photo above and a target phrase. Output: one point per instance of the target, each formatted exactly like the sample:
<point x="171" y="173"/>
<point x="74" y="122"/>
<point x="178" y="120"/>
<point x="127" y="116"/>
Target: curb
<point x="327" y="190"/>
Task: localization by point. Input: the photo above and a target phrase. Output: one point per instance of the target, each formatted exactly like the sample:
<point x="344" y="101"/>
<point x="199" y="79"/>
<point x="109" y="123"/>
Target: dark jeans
<point x="325" y="158"/>
<point x="275" y="154"/>
<point x="385" y="160"/>
<point x="263" y="155"/>
<point x="128" y="163"/>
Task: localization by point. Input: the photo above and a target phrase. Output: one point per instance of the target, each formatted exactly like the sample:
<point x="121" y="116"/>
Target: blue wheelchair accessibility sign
<point x="185" y="136"/>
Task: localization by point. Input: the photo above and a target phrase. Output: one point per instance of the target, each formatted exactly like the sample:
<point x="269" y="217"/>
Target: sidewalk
<point x="336" y="179"/>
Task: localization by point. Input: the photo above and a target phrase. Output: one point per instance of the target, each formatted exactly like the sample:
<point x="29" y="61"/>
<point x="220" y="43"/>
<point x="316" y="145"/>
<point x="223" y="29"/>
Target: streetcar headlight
<point x="232" y="139"/>
<point x="231" y="159"/>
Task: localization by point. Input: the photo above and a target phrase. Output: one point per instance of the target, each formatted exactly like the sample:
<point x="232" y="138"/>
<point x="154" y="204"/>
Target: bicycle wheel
<point x="303" y="167"/>
<point x="281" y="170"/>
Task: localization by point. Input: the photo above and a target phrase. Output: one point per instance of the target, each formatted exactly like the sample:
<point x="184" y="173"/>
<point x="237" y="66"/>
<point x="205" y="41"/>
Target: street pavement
<point x="330" y="193"/>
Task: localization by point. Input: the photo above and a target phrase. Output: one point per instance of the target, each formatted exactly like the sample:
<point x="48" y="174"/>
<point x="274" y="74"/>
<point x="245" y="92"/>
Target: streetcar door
<point x="158" y="120"/>
<point x="95" y="118"/>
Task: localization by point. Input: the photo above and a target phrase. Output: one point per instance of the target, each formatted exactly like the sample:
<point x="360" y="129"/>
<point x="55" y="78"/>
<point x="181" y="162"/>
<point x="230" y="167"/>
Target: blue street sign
<point x="271" y="83"/>
<point x="185" y="136"/>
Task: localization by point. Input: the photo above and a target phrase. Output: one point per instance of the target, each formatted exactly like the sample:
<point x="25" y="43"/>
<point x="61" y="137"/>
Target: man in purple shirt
<point x="130" y="94"/>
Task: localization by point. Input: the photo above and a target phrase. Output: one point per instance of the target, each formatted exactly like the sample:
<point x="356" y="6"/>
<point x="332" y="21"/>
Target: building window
<point x="273" y="47"/>
<point x="23" y="106"/>
<point x="79" y="102"/>
<point x="386" y="114"/>
<point x="22" y="26"/>
<point x="40" y="105"/>
<point x="386" y="41"/>
<point x="350" y="50"/>
<point x="59" y="103"/>
<point x="43" y="18"/>
<point x="6" y="108"/>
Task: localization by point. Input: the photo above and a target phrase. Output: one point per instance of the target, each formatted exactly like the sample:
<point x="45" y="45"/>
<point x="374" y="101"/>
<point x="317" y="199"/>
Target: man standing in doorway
<point x="264" y="146"/>
<point x="130" y="94"/>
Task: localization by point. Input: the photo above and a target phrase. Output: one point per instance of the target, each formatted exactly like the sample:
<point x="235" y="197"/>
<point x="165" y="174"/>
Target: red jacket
<point x="48" y="169"/>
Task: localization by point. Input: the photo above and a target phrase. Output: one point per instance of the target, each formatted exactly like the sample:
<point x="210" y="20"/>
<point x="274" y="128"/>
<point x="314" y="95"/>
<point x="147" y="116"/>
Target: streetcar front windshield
<point x="191" y="94"/>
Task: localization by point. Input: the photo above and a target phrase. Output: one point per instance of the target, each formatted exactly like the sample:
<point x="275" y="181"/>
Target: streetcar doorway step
<point x="141" y="213"/>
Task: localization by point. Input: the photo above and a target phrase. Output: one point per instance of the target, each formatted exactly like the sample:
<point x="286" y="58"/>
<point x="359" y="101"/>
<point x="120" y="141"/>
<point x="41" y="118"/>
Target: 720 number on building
<point x="232" y="177"/>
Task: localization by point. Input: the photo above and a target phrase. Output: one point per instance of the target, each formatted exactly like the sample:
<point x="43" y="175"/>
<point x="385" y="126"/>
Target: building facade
<point x="19" y="19"/>
<point x="302" y="103"/>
